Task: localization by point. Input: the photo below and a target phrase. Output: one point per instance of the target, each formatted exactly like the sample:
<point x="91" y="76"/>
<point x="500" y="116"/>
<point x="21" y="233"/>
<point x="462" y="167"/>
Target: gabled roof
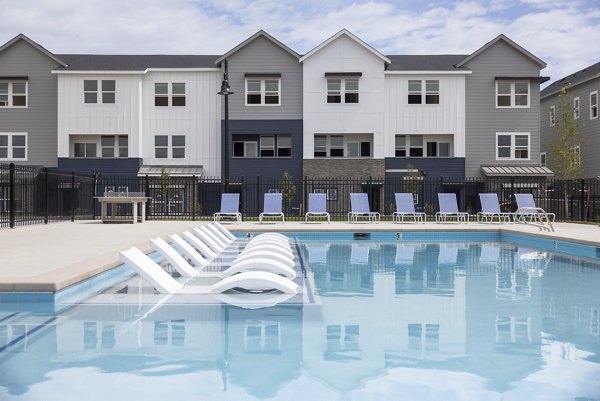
<point x="139" y="62"/>
<point x="440" y="62"/>
<point x="35" y="45"/>
<point x="251" y="39"/>
<point x="351" y="36"/>
<point x="508" y="41"/>
<point x="591" y="72"/>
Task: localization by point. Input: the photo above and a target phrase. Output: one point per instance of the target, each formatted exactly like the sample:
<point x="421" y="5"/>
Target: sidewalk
<point x="54" y="256"/>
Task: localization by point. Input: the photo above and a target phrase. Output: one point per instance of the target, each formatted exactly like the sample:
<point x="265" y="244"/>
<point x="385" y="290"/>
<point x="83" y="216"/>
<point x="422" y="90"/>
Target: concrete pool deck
<point x="48" y="258"/>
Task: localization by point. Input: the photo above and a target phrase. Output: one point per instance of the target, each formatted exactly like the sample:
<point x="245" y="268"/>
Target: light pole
<point x="226" y="91"/>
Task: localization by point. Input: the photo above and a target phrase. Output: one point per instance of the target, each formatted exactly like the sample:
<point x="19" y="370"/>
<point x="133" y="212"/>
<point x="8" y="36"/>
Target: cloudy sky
<point x="564" y="33"/>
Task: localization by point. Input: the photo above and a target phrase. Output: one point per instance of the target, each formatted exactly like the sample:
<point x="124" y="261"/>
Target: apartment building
<point x="341" y="110"/>
<point x="583" y="93"/>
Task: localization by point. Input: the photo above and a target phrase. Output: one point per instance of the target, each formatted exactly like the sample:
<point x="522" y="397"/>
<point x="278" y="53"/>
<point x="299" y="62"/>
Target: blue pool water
<point x="380" y="319"/>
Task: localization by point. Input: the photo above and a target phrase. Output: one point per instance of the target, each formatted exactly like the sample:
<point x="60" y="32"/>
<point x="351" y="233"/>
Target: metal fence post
<point x="582" y="200"/>
<point x="258" y="191"/>
<point x="46" y="194"/>
<point x="11" y="196"/>
<point x="194" y="197"/>
<point x="72" y="196"/>
<point x="95" y="185"/>
<point x="147" y="196"/>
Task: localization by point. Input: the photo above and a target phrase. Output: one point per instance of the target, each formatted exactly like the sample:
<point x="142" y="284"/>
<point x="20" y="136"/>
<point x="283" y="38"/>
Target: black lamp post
<point x="226" y="91"/>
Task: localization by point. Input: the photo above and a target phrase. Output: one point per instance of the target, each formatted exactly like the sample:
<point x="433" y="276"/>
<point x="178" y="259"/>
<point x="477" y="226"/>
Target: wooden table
<point x="114" y="200"/>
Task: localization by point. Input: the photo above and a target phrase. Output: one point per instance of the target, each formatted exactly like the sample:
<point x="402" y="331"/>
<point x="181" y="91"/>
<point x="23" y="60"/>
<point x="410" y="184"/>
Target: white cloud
<point x="558" y="32"/>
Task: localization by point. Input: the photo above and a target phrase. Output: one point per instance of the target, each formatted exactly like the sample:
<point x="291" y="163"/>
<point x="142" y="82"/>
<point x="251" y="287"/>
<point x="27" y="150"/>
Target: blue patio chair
<point x="317" y="207"/>
<point x="230" y="204"/>
<point x="527" y="210"/>
<point x="449" y="208"/>
<point x="405" y="207"/>
<point x="490" y="208"/>
<point x="272" y="207"/>
<point x="359" y="202"/>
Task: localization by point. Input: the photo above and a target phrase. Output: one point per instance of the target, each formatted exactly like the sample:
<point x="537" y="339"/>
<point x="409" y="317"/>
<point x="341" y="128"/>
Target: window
<point x="114" y="146"/>
<point x="400" y="146"/>
<point x="161" y="94"/>
<point x="543" y="159"/>
<point x="576" y="108"/>
<point x="336" y="146"/>
<point x="90" y="91"/>
<point x="13" y="94"/>
<point x="552" y="115"/>
<point x="84" y="149"/>
<point x="108" y="91"/>
<point x="245" y="149"/>
<point x="593" y="105"/>
<point x="265" y="92"/>
<point x="512" y="146"/>
<point x="359" y="149"/>
<point x="13" y="146"/>
<point x="438" y="149"/>
<point x="415" y="145"/>
<point x="166" y="146"/>
<point x="512" y="94"/>
<point x="267" y="146"/>
<point x="178" y="94"/>
<point x="346" y="89"/>
<point x="320" y="146"/>
<point x="415" y="91"/>
<point x="284" y="146"/>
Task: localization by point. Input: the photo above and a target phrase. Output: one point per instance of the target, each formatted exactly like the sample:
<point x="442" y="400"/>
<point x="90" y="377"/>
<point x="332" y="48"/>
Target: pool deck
<point x="44" y="258"/>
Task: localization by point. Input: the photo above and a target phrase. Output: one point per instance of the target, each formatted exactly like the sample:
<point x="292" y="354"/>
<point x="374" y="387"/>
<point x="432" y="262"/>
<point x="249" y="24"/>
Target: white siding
<point x="366" y="117"/>
<point x="445" y="118"/>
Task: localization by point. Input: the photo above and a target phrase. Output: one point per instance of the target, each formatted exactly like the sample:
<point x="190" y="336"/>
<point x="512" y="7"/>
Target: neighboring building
<point x="28" y="107"/>
<point x="584" y="90"/>
<point x="265" y="112"/>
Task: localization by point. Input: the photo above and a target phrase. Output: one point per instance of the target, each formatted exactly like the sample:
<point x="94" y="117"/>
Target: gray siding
<point x="589" y="130"/>
<point x="264" y="56"/>
<point x="120" y="167"/>
<point x="39" y="119"/>
<point x="453" y="167"/>
<point x="342" y="167"/>
<point x="484" y="120"/>
<point x="266" y="167"/>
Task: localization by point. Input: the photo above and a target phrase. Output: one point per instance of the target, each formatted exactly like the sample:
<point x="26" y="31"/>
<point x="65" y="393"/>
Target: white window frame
<point x="423" y="92"/>
<point x="576" y="110"/>
<point x="543" y="160"/>
<point x="283" y="146"/>
<point x="513" y="147"/>
<point x="100" y="92"/>
<point x="267" y="146"/>
<point x="400" y="147"/>
<point x="117" y="147"/>
<point x="342" y="91"/>
<point x="161" y="95"/>
<point x="552" y="115"/>
<point x="10" y="94"/>
<point x="10" y="147"/>
<point x="593" y="106"/>
<point x="263" y="92"/>
<point x="170" y="147"/>
<point x="174" y="95"/>
<point x="89" y="142"/>
<point x="513" y="95"/>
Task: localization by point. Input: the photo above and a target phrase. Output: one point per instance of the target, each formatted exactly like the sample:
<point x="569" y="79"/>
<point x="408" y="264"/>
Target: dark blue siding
<point x="121" y="167"/>
<point x="453" y="167"/>
<point x="266" y="167"/>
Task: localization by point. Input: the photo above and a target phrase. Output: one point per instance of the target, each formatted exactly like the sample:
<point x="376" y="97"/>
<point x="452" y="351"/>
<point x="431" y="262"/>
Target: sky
<point x="565" y="34"/>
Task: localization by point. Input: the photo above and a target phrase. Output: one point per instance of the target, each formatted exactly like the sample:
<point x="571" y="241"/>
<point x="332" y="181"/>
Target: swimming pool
<point x="388" y="317"/>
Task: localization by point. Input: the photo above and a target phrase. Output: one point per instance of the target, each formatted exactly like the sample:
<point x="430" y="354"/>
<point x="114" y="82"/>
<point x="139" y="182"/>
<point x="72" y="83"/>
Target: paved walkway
<point x="54" y="256"/>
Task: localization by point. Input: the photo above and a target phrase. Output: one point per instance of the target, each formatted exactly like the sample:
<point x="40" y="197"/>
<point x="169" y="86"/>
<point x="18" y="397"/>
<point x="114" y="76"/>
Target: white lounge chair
<point x="189" y="251"/>
<point x="224" y="230"/>
<point x="490" y="208"/>
<point x="230" y="204"/>
<point x="317" y="207"/>
<point x="175" y="259"/>
<point x="164" y="283"/>
<point x="199" y="245"/>
<point x="527" y="210"/>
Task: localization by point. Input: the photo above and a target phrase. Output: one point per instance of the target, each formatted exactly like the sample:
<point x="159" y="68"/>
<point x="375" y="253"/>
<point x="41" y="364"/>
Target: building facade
<point x="341" y="110"/>
<point x="584" y="88"/>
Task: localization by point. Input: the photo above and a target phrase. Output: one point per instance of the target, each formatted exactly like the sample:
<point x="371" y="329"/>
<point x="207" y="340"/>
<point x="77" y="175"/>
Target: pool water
<point x="385" y="320"/>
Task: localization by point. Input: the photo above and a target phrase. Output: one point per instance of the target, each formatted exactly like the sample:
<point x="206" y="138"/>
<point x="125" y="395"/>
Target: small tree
<point x="564" y="157"/>
<point x="288" y="190"/>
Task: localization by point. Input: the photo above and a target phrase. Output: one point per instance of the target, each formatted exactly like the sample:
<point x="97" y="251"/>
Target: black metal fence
<point x="33" y="196"/>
